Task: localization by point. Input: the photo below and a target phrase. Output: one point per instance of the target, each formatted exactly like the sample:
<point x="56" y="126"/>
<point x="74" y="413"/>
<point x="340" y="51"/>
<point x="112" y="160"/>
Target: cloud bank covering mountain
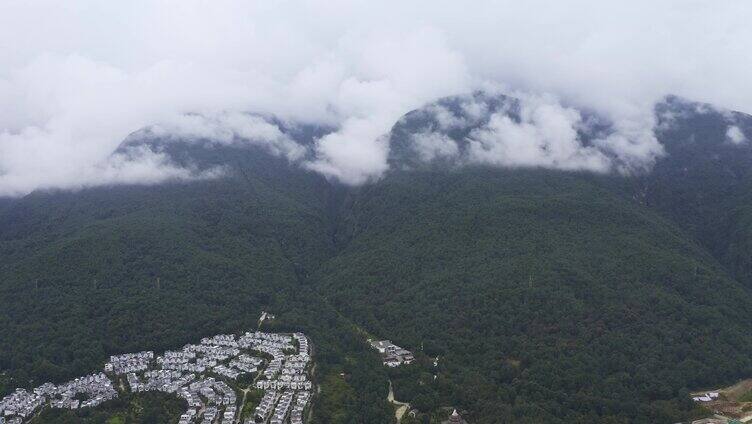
<point x="75" y="84"/>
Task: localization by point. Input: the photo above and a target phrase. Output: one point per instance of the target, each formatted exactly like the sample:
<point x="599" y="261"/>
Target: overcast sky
<point x="78" y="76"/>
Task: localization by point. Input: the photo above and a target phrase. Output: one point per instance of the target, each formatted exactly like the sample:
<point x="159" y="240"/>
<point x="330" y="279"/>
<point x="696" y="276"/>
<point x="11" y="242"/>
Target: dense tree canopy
<point x="546" y="296"/>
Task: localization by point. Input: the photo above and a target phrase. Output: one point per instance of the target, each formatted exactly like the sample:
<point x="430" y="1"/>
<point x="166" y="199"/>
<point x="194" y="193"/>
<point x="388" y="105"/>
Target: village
<point x="203" y="375"/>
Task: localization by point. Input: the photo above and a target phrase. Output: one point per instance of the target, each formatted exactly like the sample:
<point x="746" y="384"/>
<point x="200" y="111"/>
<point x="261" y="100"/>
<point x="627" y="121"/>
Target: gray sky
<point x="76" y="77"/>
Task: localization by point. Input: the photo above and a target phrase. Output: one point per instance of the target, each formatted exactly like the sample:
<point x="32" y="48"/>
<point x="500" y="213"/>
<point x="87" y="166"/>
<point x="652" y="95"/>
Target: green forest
<point x="542" y="296"/>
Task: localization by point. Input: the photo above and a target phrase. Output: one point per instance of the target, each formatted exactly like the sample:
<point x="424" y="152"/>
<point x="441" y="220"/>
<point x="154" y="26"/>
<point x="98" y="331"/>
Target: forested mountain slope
<point x="109" y="270"/>
<point x="548" y="296"/>
<point x="704" y="182"/>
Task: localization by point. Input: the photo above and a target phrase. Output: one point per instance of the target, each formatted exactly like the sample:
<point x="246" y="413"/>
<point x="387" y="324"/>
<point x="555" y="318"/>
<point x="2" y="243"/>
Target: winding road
<point x="402" y="407"/>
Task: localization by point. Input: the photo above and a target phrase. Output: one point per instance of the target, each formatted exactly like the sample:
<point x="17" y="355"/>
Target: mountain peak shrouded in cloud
<point x="86" y="75"/>
<point x="483" y="128"/>
<point x="524" y="131"/>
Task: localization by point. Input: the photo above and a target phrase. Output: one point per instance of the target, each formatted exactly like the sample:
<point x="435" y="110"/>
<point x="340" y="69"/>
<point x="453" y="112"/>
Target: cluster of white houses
<point x="276" y="407"/>
<point x="84" y="392"/>
<point x="129" y="362"/>
<point x="19" y="405"/>
<point x="286" y="384"/>
<point x="198" y="374"/>
<point x="391" y="354"/>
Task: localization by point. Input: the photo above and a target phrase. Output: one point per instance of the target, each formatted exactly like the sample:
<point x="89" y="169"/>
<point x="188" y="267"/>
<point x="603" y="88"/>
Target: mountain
<point x="109" y="270"/>
<point x="704" y="183"/>
<point x="512" y="276"/>
<point x="547" y="296"/>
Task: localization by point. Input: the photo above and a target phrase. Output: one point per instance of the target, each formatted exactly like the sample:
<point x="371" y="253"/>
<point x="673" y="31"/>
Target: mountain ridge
<point x="509" y="275"/>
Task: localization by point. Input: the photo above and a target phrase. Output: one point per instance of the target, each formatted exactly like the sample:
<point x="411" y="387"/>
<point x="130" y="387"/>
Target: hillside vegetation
<point x="547" y="296"/>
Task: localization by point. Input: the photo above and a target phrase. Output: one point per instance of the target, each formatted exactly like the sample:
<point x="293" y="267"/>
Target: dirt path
<point x="245" y="396"/>
<point x="402" y="407"/>
<point x="242" y="404"/>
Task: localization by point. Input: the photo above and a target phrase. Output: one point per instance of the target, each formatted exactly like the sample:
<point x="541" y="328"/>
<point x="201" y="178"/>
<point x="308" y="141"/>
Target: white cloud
<point x="231" y="128"/>
<point x="355" y="154"/>
<point x="735" y="135"/>
<point x="445" y="118"/>
<point x="633" y="143"/>
<point x="432" y="145"/>
<point x="391" y="71"/>
<point x="78" y="77"/>
<point x="546" y="137"/>
<point x="142" y="166"/>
